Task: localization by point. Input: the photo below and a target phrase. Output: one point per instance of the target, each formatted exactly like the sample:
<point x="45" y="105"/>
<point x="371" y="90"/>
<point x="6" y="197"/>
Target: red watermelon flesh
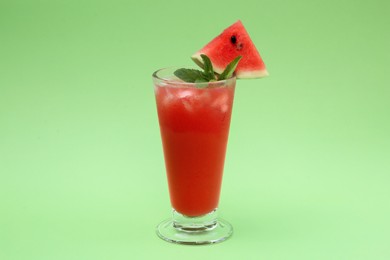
<point x="232" y="42"/>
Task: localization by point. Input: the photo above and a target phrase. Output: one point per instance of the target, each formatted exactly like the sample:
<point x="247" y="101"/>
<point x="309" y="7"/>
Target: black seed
<point x="233" y="39"/>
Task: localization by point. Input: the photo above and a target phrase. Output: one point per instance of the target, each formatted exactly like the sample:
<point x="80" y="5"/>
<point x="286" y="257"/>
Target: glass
<point x="194" y="124"/>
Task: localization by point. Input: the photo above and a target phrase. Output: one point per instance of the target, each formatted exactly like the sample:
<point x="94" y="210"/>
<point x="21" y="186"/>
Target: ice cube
<point x="187" y="98"/>
<point x="184" y="93"/>
<point x="168" y="98"/>
<point x="187" y="104"/>
<point x="221" y="100"/>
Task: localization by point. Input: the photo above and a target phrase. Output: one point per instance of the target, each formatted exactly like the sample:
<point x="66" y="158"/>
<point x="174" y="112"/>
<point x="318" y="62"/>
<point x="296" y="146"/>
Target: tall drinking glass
<point x="194" y="123"/>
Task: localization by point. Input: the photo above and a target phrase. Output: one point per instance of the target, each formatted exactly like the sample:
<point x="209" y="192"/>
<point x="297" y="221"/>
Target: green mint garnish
<point x="208" y="67"/>
<point x="208" y="74"/>
<point x="230" y="68"/>
<point x="190" y="75"/>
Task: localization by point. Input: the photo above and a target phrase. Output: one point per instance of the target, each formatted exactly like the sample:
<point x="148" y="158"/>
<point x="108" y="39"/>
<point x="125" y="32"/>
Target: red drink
<point x="194" y="125"/>
<point x="194" y="114"/>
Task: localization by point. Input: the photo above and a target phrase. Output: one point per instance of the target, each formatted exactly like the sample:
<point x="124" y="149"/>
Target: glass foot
<point x="206" y="229"/>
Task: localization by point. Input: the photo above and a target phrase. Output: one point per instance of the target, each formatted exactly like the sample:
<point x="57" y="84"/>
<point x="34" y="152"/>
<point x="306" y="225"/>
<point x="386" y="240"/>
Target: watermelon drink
<point x="194" y="125"/>
<point x="194" y="109"/>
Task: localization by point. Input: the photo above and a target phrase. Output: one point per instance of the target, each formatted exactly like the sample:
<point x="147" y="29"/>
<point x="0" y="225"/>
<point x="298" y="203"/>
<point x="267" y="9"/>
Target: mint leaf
<point x="208" y="67"/>
<point x="230" y="68"/>
<point x="208" y="75"/>
<point x="201" y="80"/>
<point x="197" y="76"/>
<point x="201" y="83"/>
<point x="189" y="75"/>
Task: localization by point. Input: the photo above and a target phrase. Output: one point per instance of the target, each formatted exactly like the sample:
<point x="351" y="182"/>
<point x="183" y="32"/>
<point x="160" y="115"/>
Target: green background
<point x="81" y="165"/>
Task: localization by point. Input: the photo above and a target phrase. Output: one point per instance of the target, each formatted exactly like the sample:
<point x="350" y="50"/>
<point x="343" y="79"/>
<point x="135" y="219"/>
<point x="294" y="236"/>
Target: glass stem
<point x="202" y="223"/>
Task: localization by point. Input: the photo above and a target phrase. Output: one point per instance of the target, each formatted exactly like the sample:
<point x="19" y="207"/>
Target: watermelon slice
<point x="232" y="42"/>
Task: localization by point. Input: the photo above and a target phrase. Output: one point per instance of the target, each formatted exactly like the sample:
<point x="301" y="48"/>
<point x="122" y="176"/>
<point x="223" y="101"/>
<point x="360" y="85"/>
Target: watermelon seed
<point x="233" y="39"/>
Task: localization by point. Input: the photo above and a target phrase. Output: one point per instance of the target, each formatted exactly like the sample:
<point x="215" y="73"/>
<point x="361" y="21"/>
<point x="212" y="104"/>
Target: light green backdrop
<point x="81" y="166"/>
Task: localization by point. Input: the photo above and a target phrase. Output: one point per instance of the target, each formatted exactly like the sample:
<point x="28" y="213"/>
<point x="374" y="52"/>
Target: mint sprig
<point x="208" y="74"/>
<point x="190" y="75"/>
<point x="208" y="67"/>
<point x="230" y="68"/>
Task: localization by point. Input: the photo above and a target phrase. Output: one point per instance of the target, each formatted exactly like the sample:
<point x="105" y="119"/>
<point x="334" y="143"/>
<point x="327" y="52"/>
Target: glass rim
<point x="166" y="80"/>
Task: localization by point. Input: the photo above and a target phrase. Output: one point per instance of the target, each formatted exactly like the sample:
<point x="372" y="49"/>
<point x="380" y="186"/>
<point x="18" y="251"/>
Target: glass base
<point x="206" y="229"/>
